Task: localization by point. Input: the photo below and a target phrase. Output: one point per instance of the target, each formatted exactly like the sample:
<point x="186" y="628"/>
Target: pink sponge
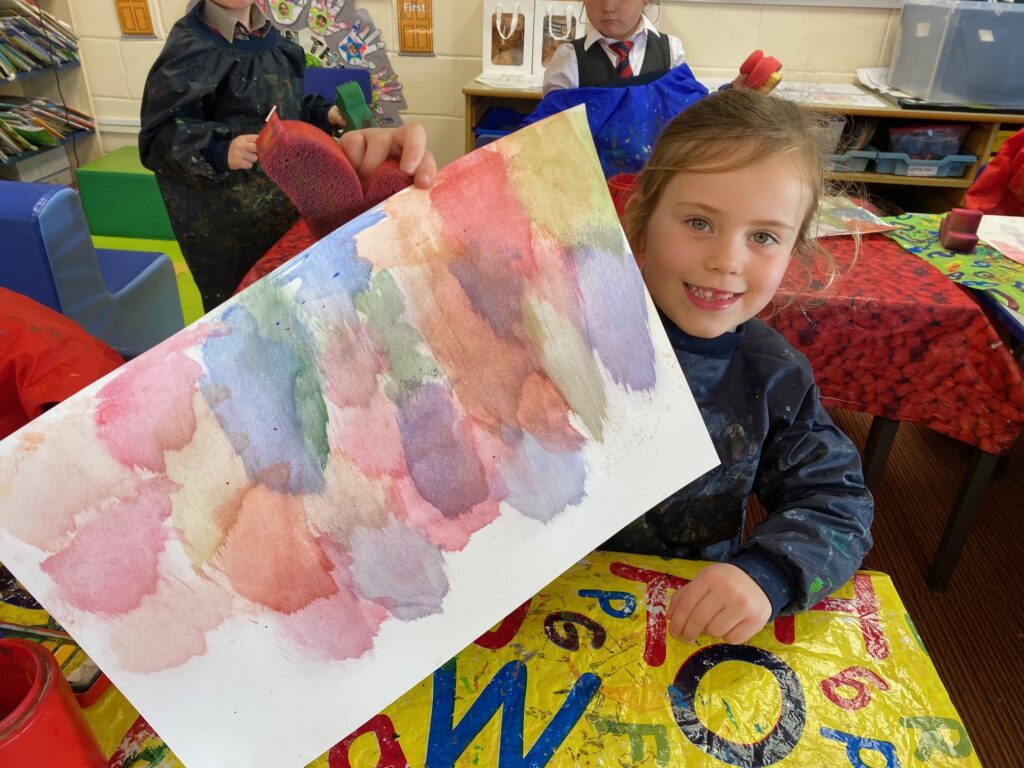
<point x="310" y="168"/>
<point x="958" y="230"/>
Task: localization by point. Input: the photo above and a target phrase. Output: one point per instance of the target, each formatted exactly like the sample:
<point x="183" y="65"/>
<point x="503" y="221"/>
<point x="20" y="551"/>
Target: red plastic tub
<point x="41" y="724"/>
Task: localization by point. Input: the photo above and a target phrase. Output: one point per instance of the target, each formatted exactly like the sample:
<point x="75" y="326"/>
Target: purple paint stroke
<point x="615" y="311"/>
<point x="397" y="568"/>
<point x="442" y="461"/>
<point x="493" y="288"/>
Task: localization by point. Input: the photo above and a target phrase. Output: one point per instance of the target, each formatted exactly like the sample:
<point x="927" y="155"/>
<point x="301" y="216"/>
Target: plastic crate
<point x="854" y="161"/>
<point x="902" y="164"/>
<point x="961" y="52"/>
<point x="497" y="122"/>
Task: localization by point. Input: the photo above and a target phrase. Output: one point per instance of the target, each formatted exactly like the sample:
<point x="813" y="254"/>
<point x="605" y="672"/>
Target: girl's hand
<point x="368" y="148"/>
<point x="722" y="601"/>
<point x="242" y="152"/>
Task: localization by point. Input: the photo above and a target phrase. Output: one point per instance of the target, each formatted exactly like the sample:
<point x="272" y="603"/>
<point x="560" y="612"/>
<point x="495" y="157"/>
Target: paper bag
<point x="508" y="42"/>
<point x="555" y="22"/>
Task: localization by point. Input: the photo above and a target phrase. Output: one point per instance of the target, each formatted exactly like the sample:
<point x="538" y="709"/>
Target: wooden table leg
<point x="876" y="450"/>
<point x="955" y="535"/>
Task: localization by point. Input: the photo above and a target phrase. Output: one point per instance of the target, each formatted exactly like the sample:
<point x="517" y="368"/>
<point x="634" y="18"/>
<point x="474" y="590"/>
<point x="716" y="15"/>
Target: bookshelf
<point x="58" y="84"/>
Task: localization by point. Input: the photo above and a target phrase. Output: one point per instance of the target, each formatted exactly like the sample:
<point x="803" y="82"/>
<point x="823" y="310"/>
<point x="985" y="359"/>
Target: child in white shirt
<point x="621" y="48"/>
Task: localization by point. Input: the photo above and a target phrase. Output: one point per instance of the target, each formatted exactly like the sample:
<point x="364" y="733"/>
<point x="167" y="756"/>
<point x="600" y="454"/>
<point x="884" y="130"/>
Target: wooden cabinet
<point x="918" y="193"/>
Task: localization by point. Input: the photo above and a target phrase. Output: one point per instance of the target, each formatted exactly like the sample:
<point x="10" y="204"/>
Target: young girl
<point x="724" y="202"/>
<point x="622" y="48"/>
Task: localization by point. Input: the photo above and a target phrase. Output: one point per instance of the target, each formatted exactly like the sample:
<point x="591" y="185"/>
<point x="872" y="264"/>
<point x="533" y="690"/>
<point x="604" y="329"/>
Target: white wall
<point x="826" y="43"/>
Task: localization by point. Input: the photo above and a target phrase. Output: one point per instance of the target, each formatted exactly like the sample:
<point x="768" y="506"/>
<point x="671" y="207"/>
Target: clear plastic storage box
<point x="962" y="52"/>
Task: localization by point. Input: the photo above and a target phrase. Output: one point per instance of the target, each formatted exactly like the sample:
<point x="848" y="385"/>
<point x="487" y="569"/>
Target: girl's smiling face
<point x="718" y="243"/>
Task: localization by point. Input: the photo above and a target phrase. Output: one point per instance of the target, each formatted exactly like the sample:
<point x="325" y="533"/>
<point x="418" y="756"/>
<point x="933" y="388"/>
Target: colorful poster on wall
<point x="335" y="33"/>
<point x="386" y="444"/>
<point x="583" y="674"/>
<point x="415" y="27"/>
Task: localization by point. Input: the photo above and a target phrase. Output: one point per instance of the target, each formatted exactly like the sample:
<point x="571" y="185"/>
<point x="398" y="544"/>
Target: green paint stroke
<point x="916" y="635"/>
<point x="384" y="307"/>
<point x="570" y="207"/>
<point x="932" y="737"/>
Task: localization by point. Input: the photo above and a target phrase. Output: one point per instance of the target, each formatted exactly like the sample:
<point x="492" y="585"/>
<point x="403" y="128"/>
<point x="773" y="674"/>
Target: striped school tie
<point x="621" y="48"/>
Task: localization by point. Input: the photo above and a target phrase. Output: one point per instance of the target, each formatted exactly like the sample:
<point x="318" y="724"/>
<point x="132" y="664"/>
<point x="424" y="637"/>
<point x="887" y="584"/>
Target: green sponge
<point x="348" y="98"/>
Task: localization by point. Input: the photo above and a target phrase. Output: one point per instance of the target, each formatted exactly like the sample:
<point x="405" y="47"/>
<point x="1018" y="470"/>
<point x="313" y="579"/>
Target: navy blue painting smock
<point x="774" y="439"/>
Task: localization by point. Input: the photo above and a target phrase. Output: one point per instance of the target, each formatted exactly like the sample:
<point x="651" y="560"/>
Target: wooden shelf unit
<point x="934" y="193"/>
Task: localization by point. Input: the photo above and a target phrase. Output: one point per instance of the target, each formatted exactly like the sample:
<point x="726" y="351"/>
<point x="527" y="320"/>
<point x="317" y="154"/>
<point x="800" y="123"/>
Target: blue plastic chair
<point x="128" y="299"/>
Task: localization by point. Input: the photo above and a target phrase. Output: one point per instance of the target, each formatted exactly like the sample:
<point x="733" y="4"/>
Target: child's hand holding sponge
<point x="313" y="171"/>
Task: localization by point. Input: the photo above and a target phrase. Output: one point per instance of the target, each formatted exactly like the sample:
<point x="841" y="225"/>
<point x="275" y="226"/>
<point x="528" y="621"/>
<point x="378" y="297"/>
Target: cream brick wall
<point x="825" y="43"/>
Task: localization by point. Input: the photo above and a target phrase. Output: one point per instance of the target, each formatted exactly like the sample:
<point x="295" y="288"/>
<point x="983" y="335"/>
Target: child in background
<point x="726" y="198"/>
<point x="223" y="68"/>
<point x="621" y="48"/>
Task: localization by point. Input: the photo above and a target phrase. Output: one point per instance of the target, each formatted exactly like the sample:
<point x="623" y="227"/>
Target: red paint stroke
<point x="481" y="183"/>
<point x="147" y="409"/>
<point x="270" y="556"/>
<point x="111" y="564"/>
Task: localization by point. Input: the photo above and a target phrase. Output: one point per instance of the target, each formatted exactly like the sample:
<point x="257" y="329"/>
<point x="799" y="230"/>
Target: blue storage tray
<point x="497" y="122"/>
<point x="902" y="164"/>
<point x="854" y="161"/>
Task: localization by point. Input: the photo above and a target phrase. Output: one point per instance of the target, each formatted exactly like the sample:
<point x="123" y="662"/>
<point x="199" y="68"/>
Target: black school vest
<point x="597" y="70"/>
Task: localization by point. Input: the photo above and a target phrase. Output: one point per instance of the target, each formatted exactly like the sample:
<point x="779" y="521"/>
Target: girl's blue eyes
<point x="698" y="224"/>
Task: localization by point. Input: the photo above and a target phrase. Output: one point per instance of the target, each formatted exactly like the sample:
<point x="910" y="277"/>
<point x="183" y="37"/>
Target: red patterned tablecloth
<point x="891" y="337"/>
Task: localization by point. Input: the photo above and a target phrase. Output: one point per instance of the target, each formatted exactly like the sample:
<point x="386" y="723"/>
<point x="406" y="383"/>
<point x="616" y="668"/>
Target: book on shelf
<point x="32" y="39"/>
<point x="28" y="124"/>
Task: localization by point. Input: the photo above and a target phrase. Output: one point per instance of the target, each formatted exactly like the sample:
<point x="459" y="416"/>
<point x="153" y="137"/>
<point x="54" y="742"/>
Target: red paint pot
<point x="41" y="724"/>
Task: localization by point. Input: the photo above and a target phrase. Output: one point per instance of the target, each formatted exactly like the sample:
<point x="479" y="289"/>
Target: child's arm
<point x="817" y="530"/>
<point x="814" y="538"/>
<point x="177" y="135"/>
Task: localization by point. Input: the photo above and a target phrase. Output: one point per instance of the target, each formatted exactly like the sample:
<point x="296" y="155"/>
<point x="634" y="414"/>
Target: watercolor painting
<point x="301" y="505"/>
<point x="1005" y="234"/>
